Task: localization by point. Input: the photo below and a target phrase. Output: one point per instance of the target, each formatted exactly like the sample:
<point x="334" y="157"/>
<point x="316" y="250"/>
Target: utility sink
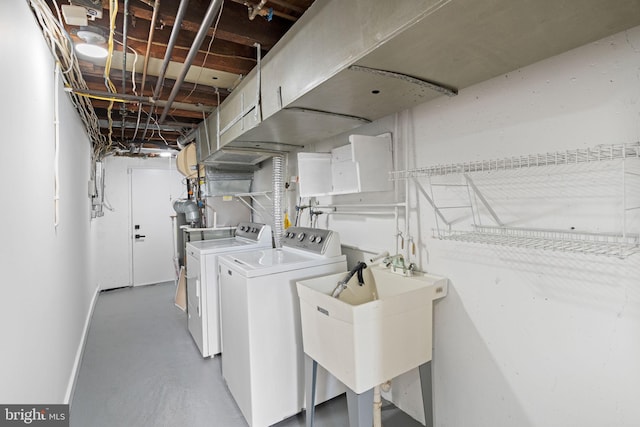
<point x="377" y="331"/>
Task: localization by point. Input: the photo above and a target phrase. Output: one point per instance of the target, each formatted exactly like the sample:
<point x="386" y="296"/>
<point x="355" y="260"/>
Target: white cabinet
<point x="362" y="165"/>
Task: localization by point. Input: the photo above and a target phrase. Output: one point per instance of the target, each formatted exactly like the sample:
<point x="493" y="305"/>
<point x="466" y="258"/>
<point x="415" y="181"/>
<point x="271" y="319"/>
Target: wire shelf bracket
<point x="255" y="204"/>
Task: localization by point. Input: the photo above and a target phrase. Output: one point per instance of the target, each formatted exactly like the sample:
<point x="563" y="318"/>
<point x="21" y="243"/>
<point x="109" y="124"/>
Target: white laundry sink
<point x="364" y="344"/>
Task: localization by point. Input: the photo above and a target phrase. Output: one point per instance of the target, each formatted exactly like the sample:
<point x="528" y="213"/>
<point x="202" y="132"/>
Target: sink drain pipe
<point x="377" y="407"/>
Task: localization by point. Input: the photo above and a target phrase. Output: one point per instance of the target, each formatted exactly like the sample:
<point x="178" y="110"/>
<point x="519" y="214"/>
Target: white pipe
<point x="56" y="155"/>
<point x="217" y="123"/>
<point x="378" y="256"/>
<point x="379" y="205"/>
<point x="357" y="213"/>
<point x="624" y="200"/>
<point x="396" y="186"/>
<point x="406" y="200"/>
<point x="377" y="407"/>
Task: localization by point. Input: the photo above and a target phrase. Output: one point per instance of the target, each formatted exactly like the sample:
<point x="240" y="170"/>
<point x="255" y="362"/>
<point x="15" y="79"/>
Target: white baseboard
<point x="76" y="364"/>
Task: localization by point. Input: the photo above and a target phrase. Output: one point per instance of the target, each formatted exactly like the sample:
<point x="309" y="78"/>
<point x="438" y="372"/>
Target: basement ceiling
<point x="132" y="109"/>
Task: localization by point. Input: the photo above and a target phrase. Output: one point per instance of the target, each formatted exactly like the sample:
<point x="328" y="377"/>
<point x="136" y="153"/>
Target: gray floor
<point x="141" y="368"/>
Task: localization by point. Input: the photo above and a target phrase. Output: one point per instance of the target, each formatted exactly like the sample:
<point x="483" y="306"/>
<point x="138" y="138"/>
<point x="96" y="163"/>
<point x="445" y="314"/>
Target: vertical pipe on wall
<point x="396" y="183"/>
<point x="624" y="198"/>
<point x="407" y="237"/>
<point x="56" y="155"/>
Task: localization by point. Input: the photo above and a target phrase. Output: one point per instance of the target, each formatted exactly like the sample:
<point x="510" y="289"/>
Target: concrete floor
<point x="141" y="368"/>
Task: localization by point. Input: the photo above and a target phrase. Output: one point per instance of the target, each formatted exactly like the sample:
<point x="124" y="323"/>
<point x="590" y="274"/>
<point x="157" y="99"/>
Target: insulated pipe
<point x="173" y="38"/>
<point x="213" y="9"/>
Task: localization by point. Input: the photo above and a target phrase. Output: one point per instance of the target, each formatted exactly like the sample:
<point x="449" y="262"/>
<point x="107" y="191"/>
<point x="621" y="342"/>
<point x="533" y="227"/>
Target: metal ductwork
<point x="358" y="61"/>
<point x="189" y="208"/>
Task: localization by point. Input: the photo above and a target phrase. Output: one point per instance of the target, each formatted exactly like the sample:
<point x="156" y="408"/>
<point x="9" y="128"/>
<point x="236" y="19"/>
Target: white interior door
<point x="152" y="233"/>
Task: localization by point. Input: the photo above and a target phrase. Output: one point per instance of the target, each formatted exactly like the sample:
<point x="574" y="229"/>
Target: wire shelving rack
<point x="547" y="239"/>
<point x="619" y="245"/>
<point x="567" y="157"/>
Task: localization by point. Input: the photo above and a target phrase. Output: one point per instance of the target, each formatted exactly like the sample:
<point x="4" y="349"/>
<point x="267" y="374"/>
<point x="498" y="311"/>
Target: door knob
<point x="140" y="236"/>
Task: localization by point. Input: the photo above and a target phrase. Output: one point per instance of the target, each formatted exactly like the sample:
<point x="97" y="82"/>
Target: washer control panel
<point x="250" y="230"/>
<point x="309" y="239"/>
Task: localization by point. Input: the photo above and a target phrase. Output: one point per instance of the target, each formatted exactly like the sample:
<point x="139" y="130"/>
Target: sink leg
<point x="427" y="393"/>
<point x="360" y="408"/>
<point x="310" y="374"/>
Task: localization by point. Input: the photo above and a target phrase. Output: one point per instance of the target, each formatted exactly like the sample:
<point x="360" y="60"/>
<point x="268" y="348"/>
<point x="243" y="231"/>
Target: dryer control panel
<point x="315" y="240"/>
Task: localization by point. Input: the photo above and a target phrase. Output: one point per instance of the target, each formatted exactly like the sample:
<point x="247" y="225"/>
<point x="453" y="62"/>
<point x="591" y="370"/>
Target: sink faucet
<point x="342" y="284"/>
<point x="397" y="262"/>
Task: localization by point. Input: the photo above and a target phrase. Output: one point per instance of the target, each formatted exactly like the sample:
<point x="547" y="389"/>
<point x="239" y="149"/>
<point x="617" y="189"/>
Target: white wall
<point x="112" y="248"/>
<point x="47" y="286"/>
<point x="526" y="337"/>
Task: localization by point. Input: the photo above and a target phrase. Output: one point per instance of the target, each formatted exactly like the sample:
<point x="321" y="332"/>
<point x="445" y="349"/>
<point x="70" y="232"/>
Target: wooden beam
<point x="208" y="99"/>
<point x="181" y="115"/>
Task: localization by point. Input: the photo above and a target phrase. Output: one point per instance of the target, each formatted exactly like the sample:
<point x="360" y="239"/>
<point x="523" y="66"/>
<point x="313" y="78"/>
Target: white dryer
<point x="203" y="292"/>
<point x="263" y="360"/>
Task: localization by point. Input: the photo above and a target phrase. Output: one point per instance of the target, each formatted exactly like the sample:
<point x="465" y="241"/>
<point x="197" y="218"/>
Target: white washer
<point x="263" y="360"/>
<point x="203" y="293"/>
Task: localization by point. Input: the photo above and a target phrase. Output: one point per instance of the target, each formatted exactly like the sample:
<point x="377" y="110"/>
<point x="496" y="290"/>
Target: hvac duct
<point x="278" y="189"/>
<point x="189" y="208"/>
<point x="361" y="60"/>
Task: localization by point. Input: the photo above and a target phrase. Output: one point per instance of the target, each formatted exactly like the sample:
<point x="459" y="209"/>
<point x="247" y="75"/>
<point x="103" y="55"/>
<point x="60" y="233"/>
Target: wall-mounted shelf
<point x="620" y="244"/>
<point x="568" y="157"/>
<point x="561" y="241"/>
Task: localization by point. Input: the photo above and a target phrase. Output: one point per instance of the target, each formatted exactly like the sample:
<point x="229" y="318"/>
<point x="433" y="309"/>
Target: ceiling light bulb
<point x="91" y="50"/>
